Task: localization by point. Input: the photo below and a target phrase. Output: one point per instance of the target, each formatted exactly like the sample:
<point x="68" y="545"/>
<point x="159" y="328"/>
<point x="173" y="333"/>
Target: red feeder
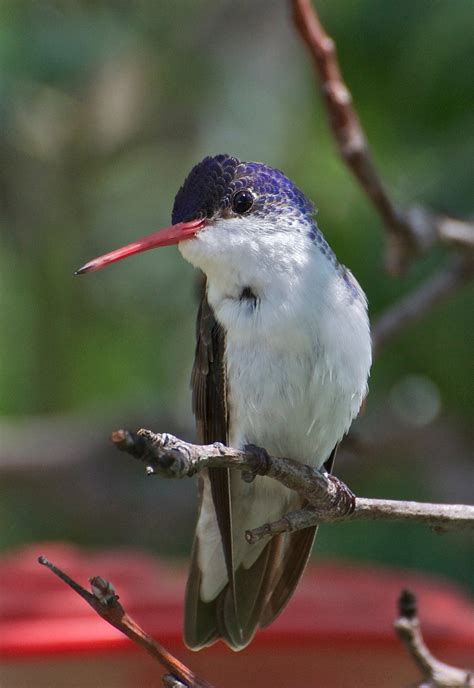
<point x="337" y="630"/>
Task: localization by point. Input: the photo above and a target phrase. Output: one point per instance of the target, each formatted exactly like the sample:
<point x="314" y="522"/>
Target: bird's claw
<point x="345" y="498"/>
<point x="262" y="460"/>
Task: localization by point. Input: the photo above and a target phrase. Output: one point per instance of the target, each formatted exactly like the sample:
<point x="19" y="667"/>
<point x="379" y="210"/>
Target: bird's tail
<point x="261" y="592"/>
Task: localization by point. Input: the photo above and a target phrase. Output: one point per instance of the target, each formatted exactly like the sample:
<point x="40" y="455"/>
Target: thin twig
<point x="440" y="517"/>
<point x="418" y="302"/>
<point x="104" y="602"/>
<point x="170" y="681"/>
<point x="410" y="231"/>
<point x="328" y="498"/>
<point x="438" y="674"/>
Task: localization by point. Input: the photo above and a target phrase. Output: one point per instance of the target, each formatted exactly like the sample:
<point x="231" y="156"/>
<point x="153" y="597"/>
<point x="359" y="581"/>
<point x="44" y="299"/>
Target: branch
<point x="104" y="601"/>
<point x="329" y="500"/>
<point x="408" y="629"/>
<point x="415" y="305"/>
<point x="411" y="231"/>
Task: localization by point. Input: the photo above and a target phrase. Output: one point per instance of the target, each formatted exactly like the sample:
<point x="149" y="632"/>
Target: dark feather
<point x="210" y="409"/>
<point x="209" y="389"/>
<point x="296" y="552"/>
<point x="208" y="379"/>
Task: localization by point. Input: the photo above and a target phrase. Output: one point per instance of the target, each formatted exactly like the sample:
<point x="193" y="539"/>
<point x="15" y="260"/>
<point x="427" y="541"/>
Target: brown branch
<point x="104" y="602"/>
<point x="410" y="231"/>
<point x="416" y="304"/>
<point x="170" y="681"/>
<point x="329" y="500"/>
<point x="440" y="517"/>
<point x="438" y="674"/>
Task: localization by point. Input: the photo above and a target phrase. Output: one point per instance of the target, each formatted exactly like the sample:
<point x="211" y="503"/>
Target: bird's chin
<point x="224" y="250"/>
<point x="192" y="252"/>
<point x="203" y="250"/>
<point x="199" y="255"/>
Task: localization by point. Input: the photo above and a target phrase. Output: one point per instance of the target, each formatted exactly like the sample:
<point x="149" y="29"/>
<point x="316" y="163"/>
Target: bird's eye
<point x="242" y="201"/>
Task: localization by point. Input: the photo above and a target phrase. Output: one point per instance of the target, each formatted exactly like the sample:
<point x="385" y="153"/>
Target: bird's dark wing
<point x="208" y="379"/>
<point x="209" y="385"/>
<point x="209" y="393"/>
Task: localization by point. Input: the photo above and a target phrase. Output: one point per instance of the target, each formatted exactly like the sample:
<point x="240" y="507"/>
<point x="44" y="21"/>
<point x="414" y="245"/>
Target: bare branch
<point x="104" y="601"/>
<point x="170" y="681"/>
<point x="440" y="517"/>
<point x="416" y="304"/>
<point x="457" y="232"/>
<point x="328" y="498"/>
<point x="410" y="231"/>
<point x="438" y="674"/>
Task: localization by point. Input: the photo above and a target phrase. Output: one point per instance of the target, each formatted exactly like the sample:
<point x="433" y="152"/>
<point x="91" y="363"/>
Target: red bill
<point x="163" y="237"/>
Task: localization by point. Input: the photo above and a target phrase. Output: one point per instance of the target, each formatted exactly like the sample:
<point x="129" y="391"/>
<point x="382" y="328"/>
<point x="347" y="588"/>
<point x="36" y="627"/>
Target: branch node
<point x="283" y="525"/>
<point x="129" y="442"/>
<point x="345" y="499"/>
<point x="407" y="627"/>
<point x="170" y="681"/>
<point x="103" y="591"/>
<point x="409" y="232"/>
<point x="407" y="605"/>
<point x="260" y="459"/>
<point x="104" y="601"/>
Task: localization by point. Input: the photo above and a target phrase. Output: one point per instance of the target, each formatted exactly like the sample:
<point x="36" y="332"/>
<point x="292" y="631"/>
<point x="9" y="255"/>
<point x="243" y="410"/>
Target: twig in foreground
<point x="410" y="231"/>
<point x="329" y="499"/>
<point x="104" y="601"/>
<point x="438" y="674"/>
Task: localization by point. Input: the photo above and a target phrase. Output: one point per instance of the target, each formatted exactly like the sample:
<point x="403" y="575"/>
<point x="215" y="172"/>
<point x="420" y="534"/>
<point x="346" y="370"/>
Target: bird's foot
<point x="345" y="499"/>
<point x="262" y="462"/>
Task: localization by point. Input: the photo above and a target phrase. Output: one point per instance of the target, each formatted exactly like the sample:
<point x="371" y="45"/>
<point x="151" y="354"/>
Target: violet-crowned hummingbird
<point x="283" y="354"/>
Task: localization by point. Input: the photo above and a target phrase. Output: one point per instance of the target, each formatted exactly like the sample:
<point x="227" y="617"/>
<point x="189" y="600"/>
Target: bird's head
<point x="228" y="213"/>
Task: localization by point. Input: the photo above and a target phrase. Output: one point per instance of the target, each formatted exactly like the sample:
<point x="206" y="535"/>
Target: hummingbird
<point x="282" y="359"/>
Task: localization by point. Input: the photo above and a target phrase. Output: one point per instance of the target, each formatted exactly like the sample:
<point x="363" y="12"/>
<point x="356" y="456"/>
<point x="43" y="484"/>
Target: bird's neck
<point x="259" y="257"/>
<point x="274" y="282"/>
<point x="275" y="293"/>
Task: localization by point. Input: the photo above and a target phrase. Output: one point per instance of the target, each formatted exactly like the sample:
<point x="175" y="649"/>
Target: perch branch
<point x="410" y="231"/>
<point x="329" y="500"/>
<point x="438" y="674"/>
<point x="104" y="602"/>
<point x="416" y="304"/>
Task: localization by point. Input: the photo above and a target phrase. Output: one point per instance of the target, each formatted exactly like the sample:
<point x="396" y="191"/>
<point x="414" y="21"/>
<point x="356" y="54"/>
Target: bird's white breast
<point x="297" y="361"/>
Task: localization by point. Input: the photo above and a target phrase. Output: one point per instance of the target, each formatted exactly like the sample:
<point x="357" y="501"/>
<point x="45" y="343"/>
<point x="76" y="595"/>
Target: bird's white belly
<point x="282" y="401"/>
<point x="286" y="401"/>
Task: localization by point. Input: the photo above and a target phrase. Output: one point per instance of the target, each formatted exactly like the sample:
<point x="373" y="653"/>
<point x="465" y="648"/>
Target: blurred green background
<point x="104" y="108"/>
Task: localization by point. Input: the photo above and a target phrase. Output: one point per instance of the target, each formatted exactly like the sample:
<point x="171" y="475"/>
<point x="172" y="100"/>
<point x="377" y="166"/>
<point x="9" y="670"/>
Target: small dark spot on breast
<point x="248" y="296"/>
